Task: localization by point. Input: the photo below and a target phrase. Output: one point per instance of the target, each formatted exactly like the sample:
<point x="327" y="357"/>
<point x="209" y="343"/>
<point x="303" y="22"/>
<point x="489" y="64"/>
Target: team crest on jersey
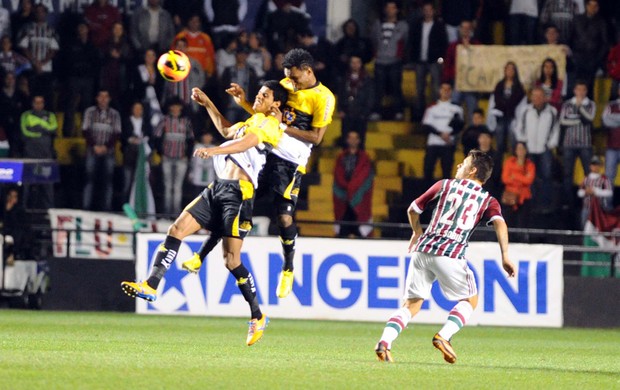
<point x="289" y="115"/>
<point x="179" y="290"/>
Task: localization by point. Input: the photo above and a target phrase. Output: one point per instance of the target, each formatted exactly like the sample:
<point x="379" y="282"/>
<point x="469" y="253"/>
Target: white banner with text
<point x="355" y="280"/>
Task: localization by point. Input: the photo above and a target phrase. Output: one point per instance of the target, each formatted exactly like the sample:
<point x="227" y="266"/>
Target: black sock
<point x="207" y="246"/>
<point x="166" y="254"/>
<point x="287" y="238"/>
<point x="246" y="285"/>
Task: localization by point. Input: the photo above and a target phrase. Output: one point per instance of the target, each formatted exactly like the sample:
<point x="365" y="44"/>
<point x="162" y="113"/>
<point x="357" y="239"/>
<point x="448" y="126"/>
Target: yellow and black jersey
<point x="253" y="159"/>
<point x="306" y="109"/>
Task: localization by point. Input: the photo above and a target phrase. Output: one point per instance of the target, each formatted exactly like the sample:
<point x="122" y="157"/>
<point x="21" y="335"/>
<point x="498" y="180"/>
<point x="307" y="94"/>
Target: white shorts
<point x="455" y="278"/>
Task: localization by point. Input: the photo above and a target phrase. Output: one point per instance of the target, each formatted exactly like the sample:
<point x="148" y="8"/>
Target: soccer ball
<point x="174" y="65"/>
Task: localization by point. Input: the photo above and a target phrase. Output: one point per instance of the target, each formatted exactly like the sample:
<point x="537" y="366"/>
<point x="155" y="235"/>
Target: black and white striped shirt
<point x="578" y="123"/>
<point x="101" y="127"/>
<point x="38" y="40"/>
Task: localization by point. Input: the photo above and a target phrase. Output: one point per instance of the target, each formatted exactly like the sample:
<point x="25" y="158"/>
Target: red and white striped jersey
<point x="461" y="205"/>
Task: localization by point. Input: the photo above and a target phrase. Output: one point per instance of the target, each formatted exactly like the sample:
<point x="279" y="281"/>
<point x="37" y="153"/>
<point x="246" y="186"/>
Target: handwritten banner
<point x="479" y="68"/>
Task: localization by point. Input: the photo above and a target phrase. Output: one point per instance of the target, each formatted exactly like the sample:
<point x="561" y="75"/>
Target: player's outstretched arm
<point x="501" y="230"/>
<point x="221" y="124"/>
<point x="237" y="146"/>
<point x="414" y="222"/>
<point x="314" y="136"/>
<point x="238" y="94"/>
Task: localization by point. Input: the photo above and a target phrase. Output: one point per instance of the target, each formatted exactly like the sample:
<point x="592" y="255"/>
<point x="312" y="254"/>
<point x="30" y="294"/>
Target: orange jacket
<point x="519" y="178"/>
<point x="199" y="47"/>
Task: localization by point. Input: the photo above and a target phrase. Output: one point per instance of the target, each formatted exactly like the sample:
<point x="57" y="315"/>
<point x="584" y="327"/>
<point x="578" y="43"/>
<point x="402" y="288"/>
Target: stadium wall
<point x="365" y="276"/>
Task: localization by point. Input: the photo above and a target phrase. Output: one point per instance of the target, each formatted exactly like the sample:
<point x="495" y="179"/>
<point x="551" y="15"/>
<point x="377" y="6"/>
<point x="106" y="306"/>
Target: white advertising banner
<point x="94" y="235"/>
<point x="355" y="280"/>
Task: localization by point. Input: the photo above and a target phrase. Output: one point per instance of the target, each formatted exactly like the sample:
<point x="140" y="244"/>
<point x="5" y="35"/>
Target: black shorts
<point x="281" y="177"/>
<point x="225" y="208"/>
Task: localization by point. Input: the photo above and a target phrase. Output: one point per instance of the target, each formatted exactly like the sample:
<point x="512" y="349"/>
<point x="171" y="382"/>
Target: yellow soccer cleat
<point x="193" y="264"/>
<point x="257" y="327"/>
<point x="139" y="290"/>
<point x="445" y="347"/>
<point x="285" y="284"/>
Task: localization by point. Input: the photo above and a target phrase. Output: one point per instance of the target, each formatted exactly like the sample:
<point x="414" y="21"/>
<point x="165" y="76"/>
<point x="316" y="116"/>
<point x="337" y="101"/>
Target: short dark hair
<point x="298" y="58"/>
<point x="483" y="163"/>
<point x="479" y="111"/>
<point x="280" y="94"/>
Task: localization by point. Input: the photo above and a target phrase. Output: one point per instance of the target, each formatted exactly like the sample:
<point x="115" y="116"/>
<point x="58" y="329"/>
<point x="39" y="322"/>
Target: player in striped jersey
<point x="439" y="252"/>
<point x="225" y="206"/>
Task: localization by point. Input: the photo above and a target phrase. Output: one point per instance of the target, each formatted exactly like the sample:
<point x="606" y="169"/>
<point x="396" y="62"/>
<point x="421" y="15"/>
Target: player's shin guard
<point x="166" y="254"/>
<point x="245" y="282"/>
<point x="458" y="317"/>
<point x="397" y="322"/>
<point x="287" y="238"/>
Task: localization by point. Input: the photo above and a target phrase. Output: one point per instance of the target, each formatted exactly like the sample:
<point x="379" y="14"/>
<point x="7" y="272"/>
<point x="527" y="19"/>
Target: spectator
<point x="466" y="38"/>
<point x="389" y="36"/>
<point x="611" y="120"/>
<point x="259" y="58"/>
<point x="282" y="27"/>
<point x="115" y="71"/>
<point x="20" y="18"/>
<point x="428" y="43"/>
<point x="182" y="10"/>
<point x="174" y="139"/>
<point x="5" y="21"/>
<point x="485" y="144"/>
<point x="225" y="17"/>
<point x="539" y="128"/>
<point x="589" y="43"/>
<point x="136" y="131"/>
<point x="550" y="83"/>
<point x="81" y="59"/>
<point x="13" y="102"/>
<point x="101" y="127"/>
<point x="442" y="121"/>
<point x="324" y="57"/>
<point x="518" y="175"/>
<point x="277" y="69"/>
<point x="560" y="13"/>
<point x="151" y="27"/>
<point x="352" y="43"/>
<point x="147" y="85"/>
<point x="552" y="37"/>
<point x="352" y="191"/>
<point x="595" y="184"/>
<point x="506" y="96"/>
<point x="613" y="67"/>
<point x="576" y="118"/>
<point x="225" y="57"/>
<point x="454" y="12"/>
<point x="38" y="130"/>
<point x="202" y="172"/>
<point x="10" y="60"/>
<point x="490" y="15"/>
<point x="469" y="138"/>
<point x="199" y="45"/>
<point x="355" y="100"/>
<point x="100" y="17"/>
<point x="5" y="146"/>
<point x="243" y="75"/>
<point x="522" y="22"/>
<point x="14" y="227"/>
<point x="183" y="89"/>
<point x="39" y="43"/>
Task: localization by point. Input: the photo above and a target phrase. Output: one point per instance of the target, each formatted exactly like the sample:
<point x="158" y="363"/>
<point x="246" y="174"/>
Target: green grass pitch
<point x="64" y="350"/>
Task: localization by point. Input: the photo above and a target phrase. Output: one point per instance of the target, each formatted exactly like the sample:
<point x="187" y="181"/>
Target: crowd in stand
<point x="98" y="67"/>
